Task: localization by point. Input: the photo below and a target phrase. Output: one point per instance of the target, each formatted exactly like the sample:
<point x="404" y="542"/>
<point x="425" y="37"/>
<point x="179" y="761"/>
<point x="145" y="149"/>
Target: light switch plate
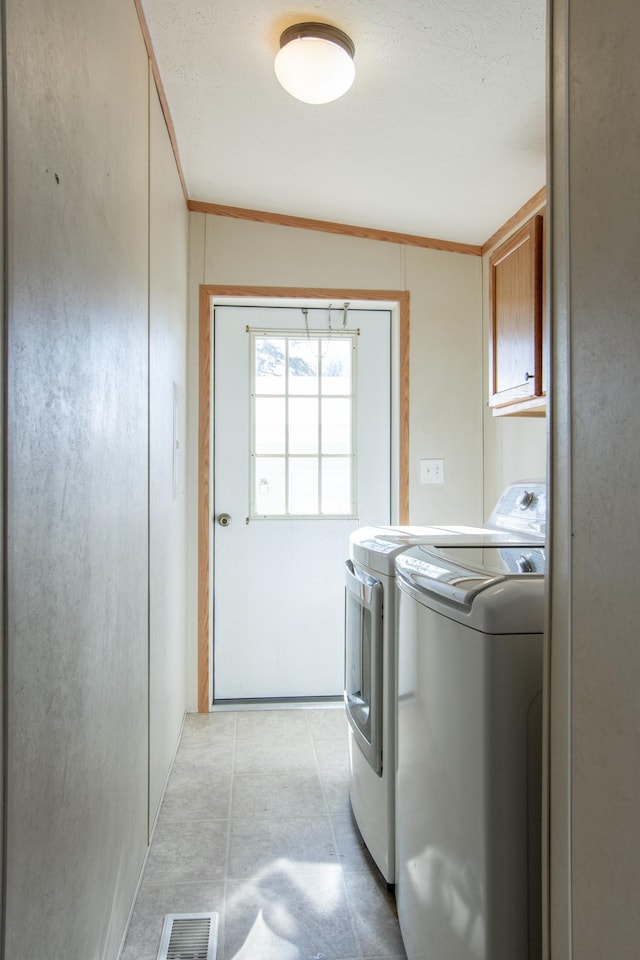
<point x="432" y="471"/>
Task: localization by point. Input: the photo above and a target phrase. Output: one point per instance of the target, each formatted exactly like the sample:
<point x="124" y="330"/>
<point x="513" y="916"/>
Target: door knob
<point x="224" y="519"/>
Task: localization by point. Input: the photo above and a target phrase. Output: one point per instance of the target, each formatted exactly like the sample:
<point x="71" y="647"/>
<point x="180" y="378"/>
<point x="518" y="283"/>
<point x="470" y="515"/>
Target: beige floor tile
<point x="188" y="851"/>
<point x="155" y="901"/>
<point x="268" y="795"/>
<point x="284" y="916"/>
<point x="259" y="846"/>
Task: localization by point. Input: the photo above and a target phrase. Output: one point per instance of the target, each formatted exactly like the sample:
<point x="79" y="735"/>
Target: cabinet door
<point x="515" y="272"/>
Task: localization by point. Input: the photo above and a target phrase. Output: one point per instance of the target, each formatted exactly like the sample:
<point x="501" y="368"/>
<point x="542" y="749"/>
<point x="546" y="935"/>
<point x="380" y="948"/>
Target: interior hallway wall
<point x="3" y="383"/>
<point x="446" y="340"/>
<point x="167" y="465"/>
<point x="80" y="428"/>
<point x="595" y="550"/>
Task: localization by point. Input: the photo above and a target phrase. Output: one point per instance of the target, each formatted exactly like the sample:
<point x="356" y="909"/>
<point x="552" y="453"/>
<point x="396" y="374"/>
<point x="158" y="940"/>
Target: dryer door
<point x="363" y="661"/>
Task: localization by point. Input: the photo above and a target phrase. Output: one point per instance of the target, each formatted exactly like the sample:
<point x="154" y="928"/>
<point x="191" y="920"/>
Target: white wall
<point x="167" y="489"/>
<point x="78" y="503"/>
<point x="594" y="648"/>
<point x="196" y="273"/>
<point x="446" y="384"/>
<point x="3" y="383"/>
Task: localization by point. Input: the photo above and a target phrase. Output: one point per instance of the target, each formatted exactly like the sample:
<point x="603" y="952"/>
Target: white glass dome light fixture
<point x="315" y="62"/>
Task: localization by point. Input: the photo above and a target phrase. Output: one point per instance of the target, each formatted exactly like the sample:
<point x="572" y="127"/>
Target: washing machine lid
<point x="498" y="558"/>
<point x="518" y="516"/>
<point x="495" y="589"/>
<point x="376" y="548"/>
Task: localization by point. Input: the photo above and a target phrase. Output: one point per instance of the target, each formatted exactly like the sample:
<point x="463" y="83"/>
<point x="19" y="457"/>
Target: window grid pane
<point x="270" y="430"/>
<point x="303" y="451"/>
<point x="270" y="486"/>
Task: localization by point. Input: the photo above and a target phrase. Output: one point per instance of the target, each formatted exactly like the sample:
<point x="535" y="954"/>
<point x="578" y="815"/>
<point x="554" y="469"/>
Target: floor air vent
<point x="189" y="936"/>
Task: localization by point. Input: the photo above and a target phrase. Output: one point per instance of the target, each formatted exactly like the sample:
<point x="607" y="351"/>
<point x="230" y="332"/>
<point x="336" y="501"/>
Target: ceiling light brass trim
<point x="319" y="31"/>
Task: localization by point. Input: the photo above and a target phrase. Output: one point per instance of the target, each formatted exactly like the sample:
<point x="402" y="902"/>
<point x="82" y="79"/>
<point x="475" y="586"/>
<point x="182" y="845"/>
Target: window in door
<point x="302" y="424"/>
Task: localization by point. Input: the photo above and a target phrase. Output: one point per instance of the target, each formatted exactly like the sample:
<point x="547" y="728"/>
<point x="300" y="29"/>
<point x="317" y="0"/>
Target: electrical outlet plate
<point x="432" y="471"/>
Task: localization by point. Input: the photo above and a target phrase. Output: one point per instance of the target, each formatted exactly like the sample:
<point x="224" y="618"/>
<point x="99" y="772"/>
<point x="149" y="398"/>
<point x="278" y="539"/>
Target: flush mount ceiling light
<point x="315" y="62"/>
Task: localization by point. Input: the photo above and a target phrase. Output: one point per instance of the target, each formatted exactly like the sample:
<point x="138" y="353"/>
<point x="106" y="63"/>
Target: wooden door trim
<point x="208" y="293"/>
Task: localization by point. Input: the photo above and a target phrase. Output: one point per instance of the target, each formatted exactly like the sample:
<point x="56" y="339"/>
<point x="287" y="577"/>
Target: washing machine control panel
<point x="522" y="508"/>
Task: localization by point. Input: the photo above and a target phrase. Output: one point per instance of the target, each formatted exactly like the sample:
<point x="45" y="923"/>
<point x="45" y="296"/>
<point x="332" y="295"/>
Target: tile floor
<point x="256" y="825"/>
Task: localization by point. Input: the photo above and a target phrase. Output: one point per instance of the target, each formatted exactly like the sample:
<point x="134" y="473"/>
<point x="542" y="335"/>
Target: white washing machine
<point x="469" y="752"/>
<point x="370" y="649"/>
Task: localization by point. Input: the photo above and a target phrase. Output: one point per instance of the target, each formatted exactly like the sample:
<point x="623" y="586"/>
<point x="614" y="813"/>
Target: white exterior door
<point x="302" y="448"/>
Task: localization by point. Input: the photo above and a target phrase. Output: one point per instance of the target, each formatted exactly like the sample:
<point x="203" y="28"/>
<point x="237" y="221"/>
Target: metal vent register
<point x="189" y="936"/>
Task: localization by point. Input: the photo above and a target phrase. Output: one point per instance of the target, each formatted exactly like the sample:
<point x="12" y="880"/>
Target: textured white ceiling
<point x="441" y="135"/>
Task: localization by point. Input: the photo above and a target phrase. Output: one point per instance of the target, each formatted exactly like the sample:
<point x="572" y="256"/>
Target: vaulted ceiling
<point x="442" y="134"/>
